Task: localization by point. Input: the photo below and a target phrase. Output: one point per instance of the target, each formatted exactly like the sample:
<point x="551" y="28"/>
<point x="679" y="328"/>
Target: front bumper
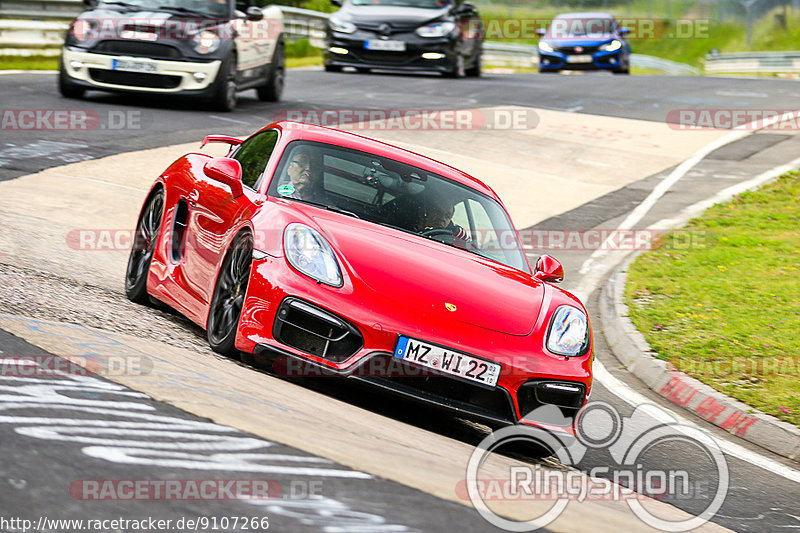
<point x="599" y="61"/>
<point x="411" y="59"/>
<point x="357" y="341"/>
<point x="96" y="71"/>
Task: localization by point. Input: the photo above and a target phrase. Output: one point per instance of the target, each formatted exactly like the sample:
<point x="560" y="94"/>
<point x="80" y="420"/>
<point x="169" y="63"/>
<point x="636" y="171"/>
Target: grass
<point x="29" y="63"/>
<point x="726" y="310"/>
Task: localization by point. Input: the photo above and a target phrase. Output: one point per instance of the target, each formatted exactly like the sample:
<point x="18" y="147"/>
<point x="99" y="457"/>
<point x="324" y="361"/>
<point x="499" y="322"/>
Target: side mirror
<point x="467" y="7"/>
<point x="548" y="269"/>
<point x="227" y="171"/>
<point x="254" y="13"/>
<point x="624" y="31"/>
<point x="337" y="3"/>
<point x="90" y="3"/>
<point x="540" y="32"/>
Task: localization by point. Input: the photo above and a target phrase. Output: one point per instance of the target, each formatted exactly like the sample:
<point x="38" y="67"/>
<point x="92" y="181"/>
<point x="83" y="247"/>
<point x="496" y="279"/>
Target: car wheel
<point x="226" y="304"/>
<point x="547" y="71"/>
<point x="272" y="90"/>
<point x="68" y="89"/>
<point x="475" y="69"/>
<point x="333" y="68"/>
<point x="224" y="98"/>
<point x="457" y="70"/>
<point x="144" y="244"/>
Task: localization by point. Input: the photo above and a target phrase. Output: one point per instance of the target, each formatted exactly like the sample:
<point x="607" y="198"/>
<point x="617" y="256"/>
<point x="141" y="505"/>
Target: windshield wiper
<point x="184" y="10"/>
<point x="121" y="4"/>
<point x="328" y="207"/>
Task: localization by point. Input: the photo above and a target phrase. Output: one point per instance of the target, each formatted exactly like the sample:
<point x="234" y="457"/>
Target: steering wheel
<point x="436" y="232"/>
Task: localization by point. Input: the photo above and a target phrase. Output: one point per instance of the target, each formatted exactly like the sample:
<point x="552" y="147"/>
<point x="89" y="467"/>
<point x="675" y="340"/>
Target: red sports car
<point x="322" y="252"/>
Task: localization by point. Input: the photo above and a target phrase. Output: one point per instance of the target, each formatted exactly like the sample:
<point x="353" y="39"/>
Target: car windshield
<point x="390" y="193"/>
<point x="218" y="8"/>
<point x="424" y="4"/>
<point x="571" y="27"/>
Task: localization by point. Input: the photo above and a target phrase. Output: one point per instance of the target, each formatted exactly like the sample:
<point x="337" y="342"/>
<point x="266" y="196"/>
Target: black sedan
<point x="408" y="35"/>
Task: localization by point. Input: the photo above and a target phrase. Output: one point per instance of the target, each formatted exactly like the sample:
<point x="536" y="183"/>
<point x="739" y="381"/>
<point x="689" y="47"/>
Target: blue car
<point x="584" y="41"/>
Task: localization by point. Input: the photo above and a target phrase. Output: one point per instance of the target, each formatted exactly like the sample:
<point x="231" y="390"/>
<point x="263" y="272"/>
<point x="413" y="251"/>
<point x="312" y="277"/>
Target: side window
<point x="253" y="155"/>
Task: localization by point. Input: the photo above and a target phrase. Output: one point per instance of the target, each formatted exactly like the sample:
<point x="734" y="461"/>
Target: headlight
<point x="341" y="26"/>
<point x="544" y="46"/>
<point x="205" y="42"/>
<point x="82" y="29"/>
<point x="612" y="46"/>
<point x="309" y="252"/>
<point x="568" y="331"/>
<point x="439" y="29"/>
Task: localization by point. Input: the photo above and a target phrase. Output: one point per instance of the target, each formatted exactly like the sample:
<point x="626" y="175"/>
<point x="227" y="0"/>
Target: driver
<point x="435" y="211"/>
<point x="304" y="176"/>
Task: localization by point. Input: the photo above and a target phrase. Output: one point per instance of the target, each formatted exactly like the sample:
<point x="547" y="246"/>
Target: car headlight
<point x="439" y="29"/>
<point x="612" y="46"/>
<point x="205" y="42"/>
<point x="341" y="26"/>
<point x="309" y="252"/>
<point x="82" y="30"/>
<point x="568" y="331"/>
<point x="544" y="46"/>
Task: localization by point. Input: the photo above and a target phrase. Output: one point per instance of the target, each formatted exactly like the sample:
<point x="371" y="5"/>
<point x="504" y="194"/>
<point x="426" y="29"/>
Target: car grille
<point x="138" y="49"/>
<point x="571" y="49"/>
<point x="470" y="400"/>
<point x="385" y="57"/>
<point x="314" y="330"/>
<point x="395" y="27"/>
<point x="135" y="79"/>
<point x="567" y="396"/>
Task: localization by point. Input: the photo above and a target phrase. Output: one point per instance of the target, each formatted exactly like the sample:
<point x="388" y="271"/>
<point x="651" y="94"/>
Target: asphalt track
<point x="758" y="499"/>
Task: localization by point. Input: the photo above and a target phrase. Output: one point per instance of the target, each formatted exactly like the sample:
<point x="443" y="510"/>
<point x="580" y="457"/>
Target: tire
<point x="547" y="71"/>
<point x="457" y="70"/>
<point x="144" y="244"/>
<point x="67" y="88"/>
<point x="333" y="68"/>
<point x="272" y="90"/>
<point x="475" y="70"/>
<point x="363" y="70"/>
<point x="224" y="98"/>
<point x="229" y="293"/>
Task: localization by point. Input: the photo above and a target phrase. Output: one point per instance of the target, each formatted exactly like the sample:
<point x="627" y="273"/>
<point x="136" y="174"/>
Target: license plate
<point x="387" y="46"/>
<point x="447" y="361"/>
<point x="133" y="66"/>
<point x="579" y="59"/>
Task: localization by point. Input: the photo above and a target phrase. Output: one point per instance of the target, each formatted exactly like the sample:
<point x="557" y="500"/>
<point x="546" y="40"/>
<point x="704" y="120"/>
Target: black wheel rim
<point x="144" y="242"/>
<point x="231" y="288"/>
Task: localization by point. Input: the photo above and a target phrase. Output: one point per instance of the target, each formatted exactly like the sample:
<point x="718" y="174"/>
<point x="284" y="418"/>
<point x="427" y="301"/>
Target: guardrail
<point x="753" y="62"/>
<point x="40" y="9"/>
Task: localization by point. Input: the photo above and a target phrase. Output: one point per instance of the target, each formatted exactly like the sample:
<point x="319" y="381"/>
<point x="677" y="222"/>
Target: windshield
<point x="217" y="8"/>
<point x="424" y="4"/>
<point x="398" y="195"/>
<point x="571" y="27"/>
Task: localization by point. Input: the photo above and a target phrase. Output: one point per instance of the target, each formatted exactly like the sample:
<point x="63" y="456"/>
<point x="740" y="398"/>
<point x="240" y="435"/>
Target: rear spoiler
<point x="233" y="141"/>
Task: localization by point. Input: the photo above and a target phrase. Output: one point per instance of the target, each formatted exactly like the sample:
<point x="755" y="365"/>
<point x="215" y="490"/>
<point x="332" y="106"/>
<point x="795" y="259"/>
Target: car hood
<point x="582" y="41"/>
<point x="393" y="15"/>
<point x="425" y="275"/>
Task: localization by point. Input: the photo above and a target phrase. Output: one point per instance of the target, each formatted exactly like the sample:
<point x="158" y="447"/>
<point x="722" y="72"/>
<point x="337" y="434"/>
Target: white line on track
<point x="229" y="119"/>
<point x="598" y="268"/>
